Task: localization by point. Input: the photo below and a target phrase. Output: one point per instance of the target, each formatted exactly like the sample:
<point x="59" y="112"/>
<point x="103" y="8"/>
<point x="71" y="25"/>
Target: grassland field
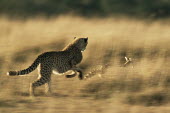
<point x="118" y="89"/>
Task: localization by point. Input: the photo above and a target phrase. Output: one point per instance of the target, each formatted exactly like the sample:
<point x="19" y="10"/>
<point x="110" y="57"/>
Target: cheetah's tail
<point x="25" y="71"/>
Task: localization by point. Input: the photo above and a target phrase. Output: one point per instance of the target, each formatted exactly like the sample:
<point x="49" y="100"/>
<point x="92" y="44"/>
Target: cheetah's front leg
<point x="77" y="71"/>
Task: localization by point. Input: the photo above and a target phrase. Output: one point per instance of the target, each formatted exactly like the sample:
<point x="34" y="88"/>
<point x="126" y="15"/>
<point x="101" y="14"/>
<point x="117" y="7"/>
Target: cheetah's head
<point x="80" y="43"/>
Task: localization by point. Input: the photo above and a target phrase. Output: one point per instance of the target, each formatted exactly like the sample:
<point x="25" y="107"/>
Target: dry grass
<point x="120" y="89"/>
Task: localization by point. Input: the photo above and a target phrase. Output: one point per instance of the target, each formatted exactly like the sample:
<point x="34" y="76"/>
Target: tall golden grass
<point x="119" y="89"/>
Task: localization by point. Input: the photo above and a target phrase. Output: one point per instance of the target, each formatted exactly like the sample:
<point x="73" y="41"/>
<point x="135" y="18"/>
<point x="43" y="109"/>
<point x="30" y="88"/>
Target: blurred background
<point x="136" y="29"/>
<point x="86" y="8"/>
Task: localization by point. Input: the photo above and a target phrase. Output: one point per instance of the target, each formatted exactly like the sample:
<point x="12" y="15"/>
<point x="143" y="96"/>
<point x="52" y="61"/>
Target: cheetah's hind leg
<point x="48" y="88"/>
<point x="44" y="78"/>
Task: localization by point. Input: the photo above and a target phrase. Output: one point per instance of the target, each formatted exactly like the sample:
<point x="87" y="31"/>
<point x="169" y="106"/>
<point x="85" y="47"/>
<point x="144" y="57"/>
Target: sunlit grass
<point x="110" y="40"/>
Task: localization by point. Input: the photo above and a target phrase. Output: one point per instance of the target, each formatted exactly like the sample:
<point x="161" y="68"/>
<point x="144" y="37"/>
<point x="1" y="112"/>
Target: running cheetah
<point x="57" y="62"/>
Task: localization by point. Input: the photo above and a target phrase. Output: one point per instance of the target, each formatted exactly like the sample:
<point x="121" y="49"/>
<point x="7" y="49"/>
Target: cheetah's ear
<point x="74" y="37"/>
<point x="85" y="40"/>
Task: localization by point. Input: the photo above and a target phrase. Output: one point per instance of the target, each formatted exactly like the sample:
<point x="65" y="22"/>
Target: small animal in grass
<point x="57" y="62"/>
<point x="128" y="62"/>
